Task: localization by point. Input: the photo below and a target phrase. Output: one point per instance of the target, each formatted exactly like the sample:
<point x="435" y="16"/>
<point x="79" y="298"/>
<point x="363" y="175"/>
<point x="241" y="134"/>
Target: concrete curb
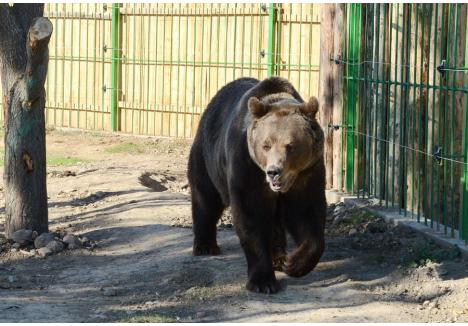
<point x="392" y="216"/>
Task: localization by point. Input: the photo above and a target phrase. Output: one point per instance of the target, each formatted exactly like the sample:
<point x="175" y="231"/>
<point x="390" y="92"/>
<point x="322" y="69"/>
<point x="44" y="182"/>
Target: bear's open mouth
<point x="281" y="184"/>
<point x="276" y="185"/>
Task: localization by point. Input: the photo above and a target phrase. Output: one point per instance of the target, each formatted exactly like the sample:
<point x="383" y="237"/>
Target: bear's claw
<point x="204" y="249"/>
<point x="298" y="265"/>
<point x="296" y="270"/>
<point x="278" y="263"/>
<point x="262" y="286"/>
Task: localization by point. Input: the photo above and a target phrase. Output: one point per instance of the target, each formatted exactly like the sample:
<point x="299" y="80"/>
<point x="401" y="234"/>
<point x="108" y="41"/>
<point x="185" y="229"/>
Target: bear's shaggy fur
<point x="259" y="149"/>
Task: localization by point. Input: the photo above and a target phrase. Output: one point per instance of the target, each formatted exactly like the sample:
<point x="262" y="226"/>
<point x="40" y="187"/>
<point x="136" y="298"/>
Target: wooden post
<point x="338" y="47"/>
<point x="459" y="81"/>
<point x="24" y="57"/>
<point x="422" y="106"/>
<point x="326" y="84"/>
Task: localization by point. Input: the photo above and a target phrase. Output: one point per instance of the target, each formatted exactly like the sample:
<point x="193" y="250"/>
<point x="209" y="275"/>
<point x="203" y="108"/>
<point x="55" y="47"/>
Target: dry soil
<point x="141" y="268"/>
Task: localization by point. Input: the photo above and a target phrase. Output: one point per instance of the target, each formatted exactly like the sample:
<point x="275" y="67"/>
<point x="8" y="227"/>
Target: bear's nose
<point x="273" y="171"/>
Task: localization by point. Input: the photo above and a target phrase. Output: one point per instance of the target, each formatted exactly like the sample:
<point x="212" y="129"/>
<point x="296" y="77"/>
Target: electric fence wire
<point x="435" y="157"/>
<point x="439" y="68"/>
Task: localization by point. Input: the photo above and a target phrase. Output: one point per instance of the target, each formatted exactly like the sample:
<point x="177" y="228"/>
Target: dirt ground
<point x="141" y="268"/>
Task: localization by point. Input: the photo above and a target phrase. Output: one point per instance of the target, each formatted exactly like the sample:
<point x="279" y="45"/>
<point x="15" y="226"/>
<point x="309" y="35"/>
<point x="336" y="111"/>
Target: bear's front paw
<point x="205" y="249"/>
<point x="304" y="258"/>
<point x="297" y="267"/>
<point x="268" y="286"/>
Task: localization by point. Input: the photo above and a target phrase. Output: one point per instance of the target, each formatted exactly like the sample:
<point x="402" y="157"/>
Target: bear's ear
<point x="256" y="107"/>
<point x="310" y="109"/>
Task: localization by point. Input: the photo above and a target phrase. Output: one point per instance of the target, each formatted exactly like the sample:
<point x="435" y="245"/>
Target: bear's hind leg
<point x="207" y="208"/>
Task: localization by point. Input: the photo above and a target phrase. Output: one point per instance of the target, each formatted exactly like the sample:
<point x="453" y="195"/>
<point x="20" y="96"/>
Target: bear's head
<point x="284" y="138"/>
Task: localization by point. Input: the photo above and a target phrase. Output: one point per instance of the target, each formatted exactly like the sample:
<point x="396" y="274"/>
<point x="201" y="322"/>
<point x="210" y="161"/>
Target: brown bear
<point x="259" y="149"/>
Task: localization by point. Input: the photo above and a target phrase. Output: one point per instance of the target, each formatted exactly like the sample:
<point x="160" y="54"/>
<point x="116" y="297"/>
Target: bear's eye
<point x="266" y="147"/>
<point x="289" y="148"/>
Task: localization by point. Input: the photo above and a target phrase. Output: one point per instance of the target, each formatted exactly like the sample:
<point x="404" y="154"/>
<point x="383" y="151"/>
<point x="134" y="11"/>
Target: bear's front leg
<point x="254" y="228"/>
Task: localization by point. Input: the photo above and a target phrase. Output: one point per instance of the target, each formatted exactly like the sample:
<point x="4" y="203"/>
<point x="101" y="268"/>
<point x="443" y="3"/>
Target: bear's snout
<point x="274" y="172"/>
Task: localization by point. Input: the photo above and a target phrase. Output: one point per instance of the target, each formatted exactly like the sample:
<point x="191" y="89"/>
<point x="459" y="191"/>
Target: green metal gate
<point x="405" y="105"/>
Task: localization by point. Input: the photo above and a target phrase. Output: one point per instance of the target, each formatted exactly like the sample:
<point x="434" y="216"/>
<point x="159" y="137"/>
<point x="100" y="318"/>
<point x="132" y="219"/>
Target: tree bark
<point x="339" y="41"/>
<point x="326" y="85"/>
<point x="24" y="56"/>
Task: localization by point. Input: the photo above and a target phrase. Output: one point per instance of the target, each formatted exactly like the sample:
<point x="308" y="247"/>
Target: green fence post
<point x="464" y="179"/>
<point x="115" y="67"/>
<point x="353" y="57"/>
<point x="271" y="39"/>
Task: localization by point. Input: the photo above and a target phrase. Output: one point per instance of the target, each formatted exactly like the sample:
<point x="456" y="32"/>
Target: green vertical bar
<point x="354" y="33"/>
<point x="115" y="61"/>
<point x="464" y="179"/>
<point x="271" y="39"/>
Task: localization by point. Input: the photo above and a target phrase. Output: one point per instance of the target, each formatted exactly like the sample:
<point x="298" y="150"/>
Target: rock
<point x="72" y="241"/>
<point x="42" y="240"/>
<point x="73" y="246"/>
<point x="378" y="226"/>
<point x="373" y="201"/>
<point x="12" y="279"/>
<point x="3" y="240"/>
<point x="200" y="314"/>
<point x="338" y="210"/>
<point x="109" y="292"/>
<point x="44" y="252"/>
<point x="55" y="246"/>
<point x="16" y="245"/>
<point x="353" y="231"/>
<point x="23" y="236"/>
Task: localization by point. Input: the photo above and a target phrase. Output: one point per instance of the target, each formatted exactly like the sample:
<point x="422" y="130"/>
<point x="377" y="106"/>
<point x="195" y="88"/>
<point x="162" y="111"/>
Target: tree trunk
<point x="24" y="56"/>
<point x="326" y="85"/>
<point x="338" y="47"/>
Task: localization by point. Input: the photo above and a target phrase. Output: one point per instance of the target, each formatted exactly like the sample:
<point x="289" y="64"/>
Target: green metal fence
<point x="152" y="68"/>
<point x="405" y="108"/>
